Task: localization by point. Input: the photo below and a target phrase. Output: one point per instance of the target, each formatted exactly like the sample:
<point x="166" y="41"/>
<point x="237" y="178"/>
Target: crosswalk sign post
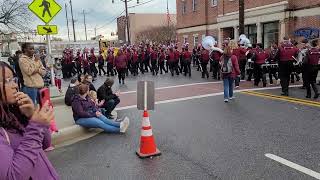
<point x="46" y="10"/>
<point x="47" y="29"/>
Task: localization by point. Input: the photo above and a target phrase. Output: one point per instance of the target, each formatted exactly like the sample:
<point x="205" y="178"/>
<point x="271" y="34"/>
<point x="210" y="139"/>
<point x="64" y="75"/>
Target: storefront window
<point x="251" y="33"/>
<point x="270" y="33"/>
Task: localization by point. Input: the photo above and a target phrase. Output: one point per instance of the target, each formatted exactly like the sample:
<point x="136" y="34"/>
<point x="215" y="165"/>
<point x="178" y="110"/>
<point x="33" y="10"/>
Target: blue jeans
<point x="228" y="87"/>
<point x="32" y="93"/>
<point x="99" y="122"/>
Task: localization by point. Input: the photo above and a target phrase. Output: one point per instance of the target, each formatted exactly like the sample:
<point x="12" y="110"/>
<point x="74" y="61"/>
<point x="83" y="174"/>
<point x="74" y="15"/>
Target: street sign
<point x="46" y="10"/>
<point x="47" y="30"/>
<point x="145" y="95"/>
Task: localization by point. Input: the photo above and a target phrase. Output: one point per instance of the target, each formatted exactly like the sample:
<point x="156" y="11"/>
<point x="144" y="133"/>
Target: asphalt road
<point x="161" y="80"/>
<point x="203" y="139"/>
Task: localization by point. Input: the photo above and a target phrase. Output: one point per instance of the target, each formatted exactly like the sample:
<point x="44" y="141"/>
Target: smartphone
<point x="44" y="96"/>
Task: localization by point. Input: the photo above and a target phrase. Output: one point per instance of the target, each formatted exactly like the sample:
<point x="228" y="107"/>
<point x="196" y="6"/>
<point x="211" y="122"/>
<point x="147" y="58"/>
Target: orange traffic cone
<point x="148" y="146"/>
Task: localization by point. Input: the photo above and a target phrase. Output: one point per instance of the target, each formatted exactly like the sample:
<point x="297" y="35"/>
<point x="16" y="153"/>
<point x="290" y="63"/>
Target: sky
<point x="101" y="14"/>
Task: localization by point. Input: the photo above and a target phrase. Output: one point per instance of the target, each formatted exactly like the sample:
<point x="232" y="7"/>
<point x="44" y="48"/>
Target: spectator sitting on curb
<point x="88" y="81"/>
<point x="24" y="132"/>
<point x="72" y="91"/>
<point x="87" y="115"/>
<point x="80" y="78"/>
<point x="110" y="99"/>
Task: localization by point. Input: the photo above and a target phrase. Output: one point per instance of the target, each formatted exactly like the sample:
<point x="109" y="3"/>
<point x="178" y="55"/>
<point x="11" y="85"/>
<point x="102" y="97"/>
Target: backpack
<point x="226" y="66"/>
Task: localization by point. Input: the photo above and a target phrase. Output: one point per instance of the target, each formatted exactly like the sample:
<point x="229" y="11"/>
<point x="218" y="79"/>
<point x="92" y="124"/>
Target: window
<point x="184" y="7"/>
<point x="185" y="39"/>
<point x="251" y="33"/>
<point x="194" y="5"/>
<point x="270" y="33"/>
<point x="195" y="41"/>
<point x="203" y="36"/>
<point x="214" y="3"/>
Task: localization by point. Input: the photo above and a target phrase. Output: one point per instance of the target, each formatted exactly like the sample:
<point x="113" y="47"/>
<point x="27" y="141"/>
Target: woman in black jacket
<point x="111" y="100"/>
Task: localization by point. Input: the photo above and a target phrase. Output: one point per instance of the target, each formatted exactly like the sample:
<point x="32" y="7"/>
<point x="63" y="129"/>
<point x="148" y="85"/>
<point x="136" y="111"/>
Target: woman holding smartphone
<point x="24" y="133"/>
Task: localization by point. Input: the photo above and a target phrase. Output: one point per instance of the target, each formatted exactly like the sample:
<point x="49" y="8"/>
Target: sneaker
<point x="124" y="125"/>
<point x="231" y="98"/>
<point x="237" y="87"/>
<point x="226" y="100"/>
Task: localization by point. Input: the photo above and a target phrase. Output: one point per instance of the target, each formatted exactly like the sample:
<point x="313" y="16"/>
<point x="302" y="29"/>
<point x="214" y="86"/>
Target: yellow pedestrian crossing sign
<point x="46" y="10"/>
<point x="47" y="29"/>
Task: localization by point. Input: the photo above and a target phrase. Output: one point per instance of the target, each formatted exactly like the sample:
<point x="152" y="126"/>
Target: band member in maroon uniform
<point x="110" y="63"/>
<point x="129" y="58"/>
<point x="121" y="65"/>
<point x="250" y="58"/>
<point x="204" y="59"/>
<point x="154" y="61"/>
<point x="259" y="72"/>
<point x="162" y="57"/>
<point x="101" y="64"/>
<point x="313" y="63"/>
<point x="85" y="62"/>
<point x="215" y="56"/>
<point x="172" y="62"/>
<point x="141" y="59"/>
<point x="93" y="61"/>
<point x="240" y="52"/>
<point x="78" y="62"/>
<point x="135" y="62"/>
<point x="186" y="61"/>
<point x="177" y="59"/>
<point x="286" y="53"/>
<point x="273" y="59"/>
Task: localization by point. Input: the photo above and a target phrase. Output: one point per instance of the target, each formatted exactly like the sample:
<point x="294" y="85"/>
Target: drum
<point x="265" y="67"/>
<point x="274" y="66"/>
<point x="249" y="65"/>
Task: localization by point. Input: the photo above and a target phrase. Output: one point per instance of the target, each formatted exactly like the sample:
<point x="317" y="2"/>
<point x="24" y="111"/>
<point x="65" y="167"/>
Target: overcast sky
<point x="102" y="14"/>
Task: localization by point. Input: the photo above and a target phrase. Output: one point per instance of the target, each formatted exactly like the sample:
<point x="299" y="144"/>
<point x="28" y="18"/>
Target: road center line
<point x="294" y="165"/>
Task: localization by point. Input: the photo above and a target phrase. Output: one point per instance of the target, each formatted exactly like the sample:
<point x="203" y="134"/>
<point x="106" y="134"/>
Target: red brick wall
<point x="298" y="4"/>
<point x="301" y="22"/>
<point x="190" y="38"/>
<point x="191" y="18"/>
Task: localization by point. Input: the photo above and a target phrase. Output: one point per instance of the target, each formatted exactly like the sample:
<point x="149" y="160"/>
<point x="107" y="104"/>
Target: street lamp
<point x="127" y="16"/>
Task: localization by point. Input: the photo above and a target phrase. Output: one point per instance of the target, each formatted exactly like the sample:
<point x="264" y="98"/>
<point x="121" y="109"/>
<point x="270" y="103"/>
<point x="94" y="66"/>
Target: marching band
<point x="284" y="61"/>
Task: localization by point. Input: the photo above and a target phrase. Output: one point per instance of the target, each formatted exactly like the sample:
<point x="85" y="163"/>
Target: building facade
<point x="140" y="22"/>
<point x="266" y="21"/>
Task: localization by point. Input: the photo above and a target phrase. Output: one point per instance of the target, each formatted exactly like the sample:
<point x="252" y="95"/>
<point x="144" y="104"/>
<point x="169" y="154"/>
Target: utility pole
<point x="127" y="18"/>
<point x="241" y="17"/>
<point x="66" y="8"/>
<point x="85" y="25"/>
<point x="74" y="31"/>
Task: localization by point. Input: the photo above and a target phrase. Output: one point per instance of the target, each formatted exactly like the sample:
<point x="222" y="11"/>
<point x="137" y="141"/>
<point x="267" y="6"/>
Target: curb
<point x="75" y="133"/>
<point x="72" y="134"/>
<point x="57" y="101"/>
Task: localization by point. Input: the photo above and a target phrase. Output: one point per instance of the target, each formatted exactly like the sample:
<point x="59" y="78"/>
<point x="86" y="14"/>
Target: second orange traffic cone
<point x="148" y="147"/>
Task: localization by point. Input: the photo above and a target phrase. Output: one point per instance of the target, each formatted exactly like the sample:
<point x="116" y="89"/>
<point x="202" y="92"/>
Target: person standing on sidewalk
<point x="32" y="71"/>
<point x="87" y="115"/>
<point x="24" y="133"/>
<point x="229" y="71"/>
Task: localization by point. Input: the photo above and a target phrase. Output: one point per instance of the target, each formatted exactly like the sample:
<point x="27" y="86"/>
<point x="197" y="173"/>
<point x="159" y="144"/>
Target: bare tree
<point x="14" y="16"/>
<point x="162" y="34"/>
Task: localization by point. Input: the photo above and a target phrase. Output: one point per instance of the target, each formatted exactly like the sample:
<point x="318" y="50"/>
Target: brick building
<point x="265" y="20"/>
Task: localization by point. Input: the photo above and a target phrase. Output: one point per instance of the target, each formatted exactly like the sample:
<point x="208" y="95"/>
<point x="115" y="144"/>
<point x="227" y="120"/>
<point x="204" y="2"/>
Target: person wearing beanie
<point x="111" y="100"/>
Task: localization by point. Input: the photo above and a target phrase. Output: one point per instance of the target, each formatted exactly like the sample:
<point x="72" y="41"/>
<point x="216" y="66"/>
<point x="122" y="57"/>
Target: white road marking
<point x="202" y="96"/>
<point x="182" y="85"/>
<point x="294" y="166"/>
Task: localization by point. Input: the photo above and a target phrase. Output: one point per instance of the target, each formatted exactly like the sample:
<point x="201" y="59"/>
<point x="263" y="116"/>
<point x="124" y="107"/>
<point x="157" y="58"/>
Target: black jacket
<point x="70" y="94"/>
<point x="105" y="93"/>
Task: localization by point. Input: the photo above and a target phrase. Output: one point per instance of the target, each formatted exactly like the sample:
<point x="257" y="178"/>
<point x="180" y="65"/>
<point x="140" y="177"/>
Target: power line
<point x="109" y="22"/>
<point x="140" y="4"/>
